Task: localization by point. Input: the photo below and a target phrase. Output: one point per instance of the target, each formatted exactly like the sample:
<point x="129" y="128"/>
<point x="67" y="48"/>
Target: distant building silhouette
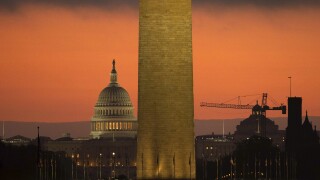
<point x="212" y="147"/>
<point x="293" y="130"/>
<point x="18" y="140"/>
<point x="259" y="124"/>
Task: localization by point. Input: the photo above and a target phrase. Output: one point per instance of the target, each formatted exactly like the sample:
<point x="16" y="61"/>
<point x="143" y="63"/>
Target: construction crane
<point x="257" y="109"/>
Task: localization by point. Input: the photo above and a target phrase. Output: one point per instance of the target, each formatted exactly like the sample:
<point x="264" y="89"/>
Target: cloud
<point x="259" y="3"/>
<point x="14" y="5"/>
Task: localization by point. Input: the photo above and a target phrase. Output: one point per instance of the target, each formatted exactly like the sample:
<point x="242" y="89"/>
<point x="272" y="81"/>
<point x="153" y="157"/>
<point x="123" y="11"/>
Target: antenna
<point x="290" y="84"/>
<point x="223" y="129"/>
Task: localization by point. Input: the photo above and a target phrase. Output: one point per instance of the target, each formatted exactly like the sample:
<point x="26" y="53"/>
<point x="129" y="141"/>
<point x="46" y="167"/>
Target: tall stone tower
<point x="293" y="130"/>
<point x="165" y="91"/>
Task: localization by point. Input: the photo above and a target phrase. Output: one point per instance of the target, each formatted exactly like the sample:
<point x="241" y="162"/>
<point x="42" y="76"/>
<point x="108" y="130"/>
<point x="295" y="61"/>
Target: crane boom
<point x="222" y="105"/>
<point x="263" y="107"/>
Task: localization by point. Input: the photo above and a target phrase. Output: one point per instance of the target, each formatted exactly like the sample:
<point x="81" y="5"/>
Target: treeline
<point x="257" y="158"/>
<point x="21" y="162"/>
<point x="18" y="162"/>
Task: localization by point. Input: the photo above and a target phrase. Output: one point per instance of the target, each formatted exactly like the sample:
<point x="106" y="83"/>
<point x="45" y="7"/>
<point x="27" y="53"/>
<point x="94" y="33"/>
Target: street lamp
<point x="77" y="157"/>
<point x="72" y="156"/>
<point x="113" y="164"/>
<point x="100" y="156"/>
<point x="84" y="165"/>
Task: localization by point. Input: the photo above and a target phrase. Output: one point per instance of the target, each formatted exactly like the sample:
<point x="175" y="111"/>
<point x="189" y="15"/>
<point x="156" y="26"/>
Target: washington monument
<point x="165" y="91"/>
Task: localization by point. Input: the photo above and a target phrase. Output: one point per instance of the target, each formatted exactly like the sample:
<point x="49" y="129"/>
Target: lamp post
<point x="231" y="163"/>
<point x="52" y="164"/>
<point x="100" y="156"/>
<point x="72" y="156"/>
<point x="84" y="165"/>
<point x="113" y="164"/>
<point x="77" y="157"/>
<point x="217" y="168"/>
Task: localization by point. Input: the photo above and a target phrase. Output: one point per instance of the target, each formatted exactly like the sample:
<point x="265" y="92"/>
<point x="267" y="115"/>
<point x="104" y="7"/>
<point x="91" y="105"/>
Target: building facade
<point x="213" y="147"/>
<point x="258" y="124"/>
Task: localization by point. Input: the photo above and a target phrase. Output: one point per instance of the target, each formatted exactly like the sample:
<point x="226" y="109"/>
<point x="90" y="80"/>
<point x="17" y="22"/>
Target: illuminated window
<point x="107" y="126"/>
<point x="116" y="125"/>
<point x="101" y="126"/>
<point x="110" y="125"/>
<point x="98" y="126"/>
<point x="207" y="147"/>
<point x="120" y="125"/>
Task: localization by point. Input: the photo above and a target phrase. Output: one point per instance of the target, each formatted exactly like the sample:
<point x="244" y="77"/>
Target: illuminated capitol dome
<point x="113" y="113"/>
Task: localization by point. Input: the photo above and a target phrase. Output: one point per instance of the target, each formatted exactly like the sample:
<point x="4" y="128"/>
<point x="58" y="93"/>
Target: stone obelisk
<point x="165" y="91"/>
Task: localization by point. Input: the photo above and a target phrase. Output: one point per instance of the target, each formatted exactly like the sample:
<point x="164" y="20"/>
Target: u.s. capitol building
<point x="113" y="112"/>
<point x="110" y="149"/>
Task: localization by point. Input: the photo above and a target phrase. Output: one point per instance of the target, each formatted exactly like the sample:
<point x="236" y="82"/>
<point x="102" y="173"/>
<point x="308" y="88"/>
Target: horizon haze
<point x="82" y="128"/>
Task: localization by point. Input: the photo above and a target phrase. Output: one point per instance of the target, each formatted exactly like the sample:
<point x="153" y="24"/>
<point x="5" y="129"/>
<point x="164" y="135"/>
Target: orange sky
<point x="54" y="61"/>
